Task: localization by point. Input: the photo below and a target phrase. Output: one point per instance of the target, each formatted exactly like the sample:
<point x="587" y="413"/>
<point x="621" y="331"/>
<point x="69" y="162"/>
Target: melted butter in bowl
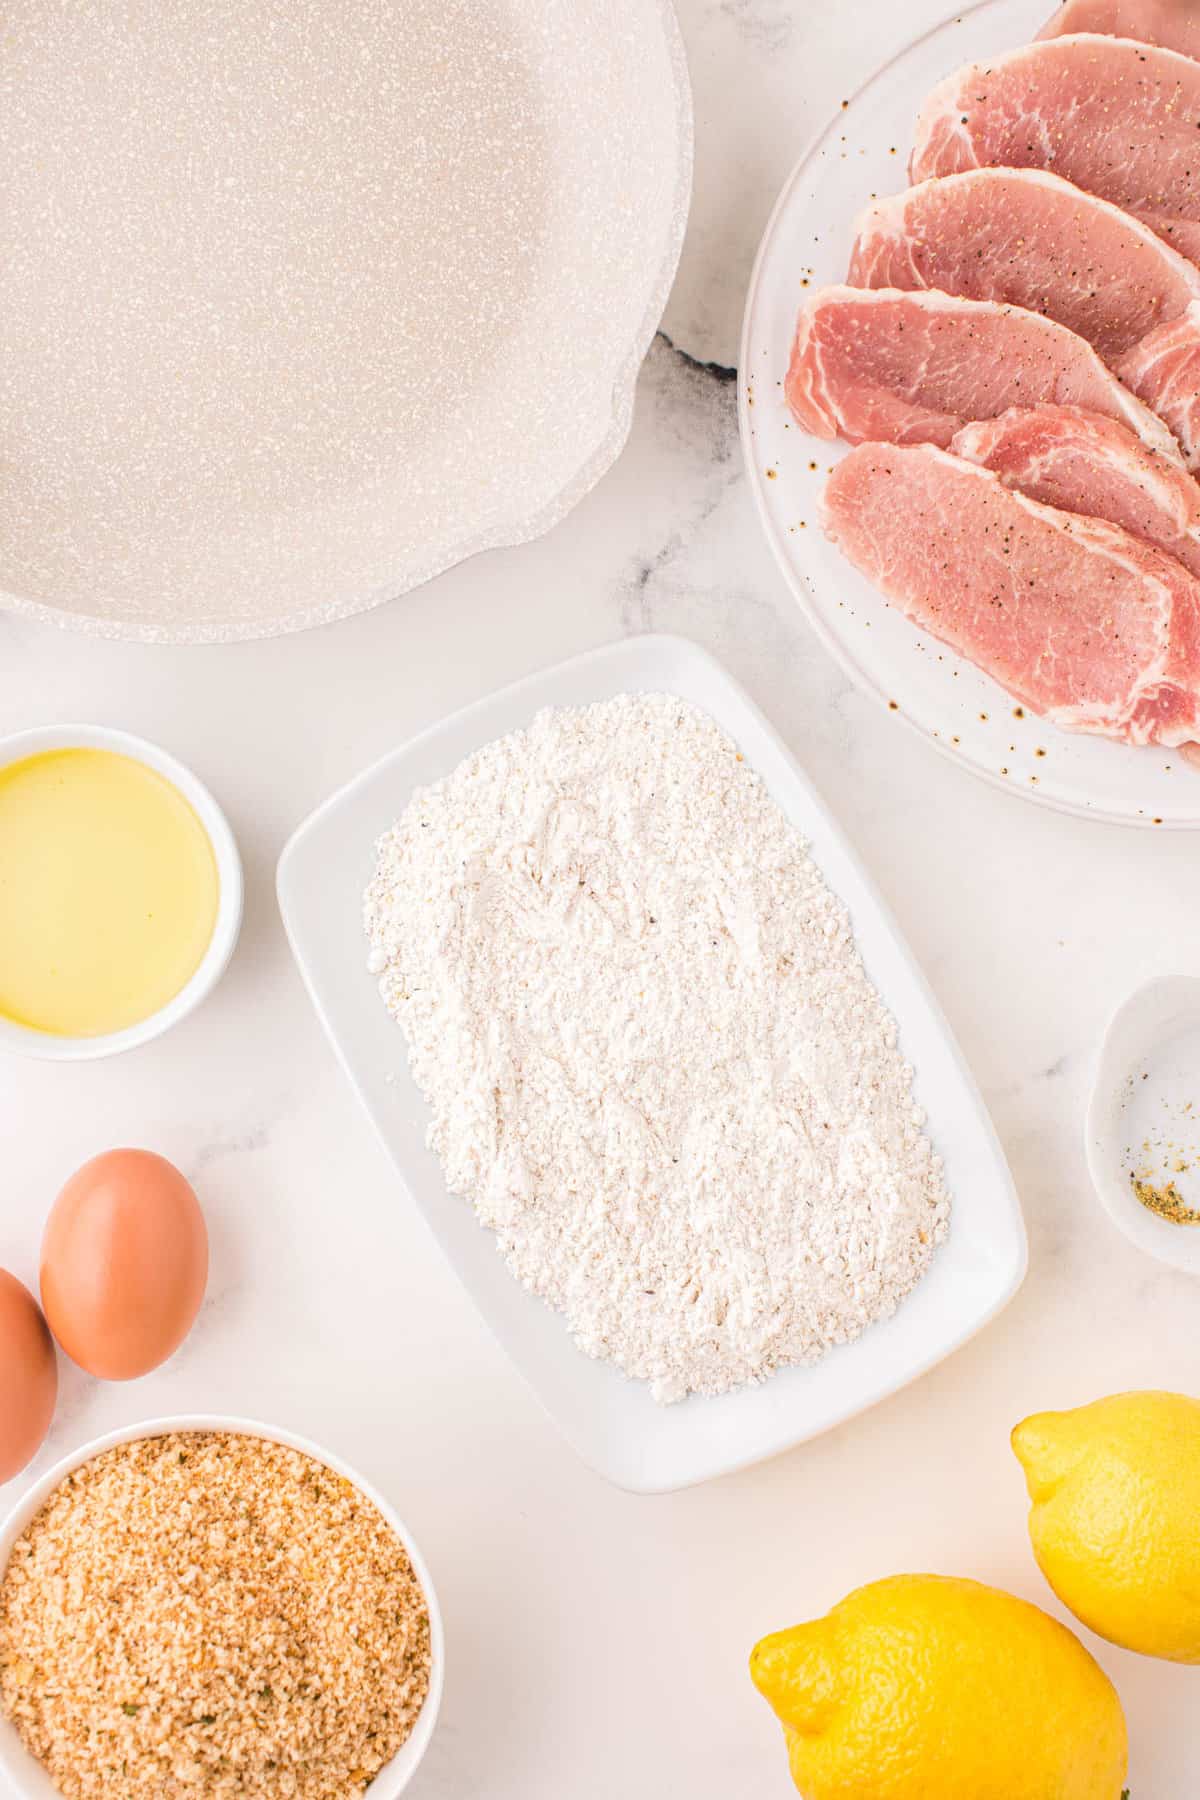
<point x="108" y="895"/>
<point x="120" y="892"/>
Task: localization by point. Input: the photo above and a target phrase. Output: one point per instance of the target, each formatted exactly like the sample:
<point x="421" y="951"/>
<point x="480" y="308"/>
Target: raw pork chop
<point x="1164" y="370"/>
<point x="1172" y="24"/>
<point x="1031" y="239"/>
<point x="914" y="368"/>
<point x="1082" y="622"/>
<point x="1087" y="464"/>
<point x="1117" y="118"/>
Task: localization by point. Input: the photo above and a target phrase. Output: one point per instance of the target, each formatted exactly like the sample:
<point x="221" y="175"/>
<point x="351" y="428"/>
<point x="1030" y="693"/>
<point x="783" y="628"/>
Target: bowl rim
<point x="46" y="1046"/>
<point x="391" y="1779"/>
<point x="1164" y="998"/>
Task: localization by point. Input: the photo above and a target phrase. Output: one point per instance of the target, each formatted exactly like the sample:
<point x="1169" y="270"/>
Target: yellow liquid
<point x="108" y="892"/>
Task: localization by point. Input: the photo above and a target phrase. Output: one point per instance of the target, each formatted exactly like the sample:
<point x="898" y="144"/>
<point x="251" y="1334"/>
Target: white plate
<point x="863" y="153"/>
<point x="612" y="1422"/>
<point x="303" y="301"/>
<point x="25" y="1776"/>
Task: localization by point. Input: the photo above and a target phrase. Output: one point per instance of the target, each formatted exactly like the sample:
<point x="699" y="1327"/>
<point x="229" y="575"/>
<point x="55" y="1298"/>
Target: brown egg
<point x="124" y="1263"/>
<point x="28" y="1376"/>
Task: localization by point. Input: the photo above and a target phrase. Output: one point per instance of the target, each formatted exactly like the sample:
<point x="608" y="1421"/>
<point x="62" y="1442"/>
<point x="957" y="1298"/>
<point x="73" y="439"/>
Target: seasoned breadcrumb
<point x="208" y="1613"/>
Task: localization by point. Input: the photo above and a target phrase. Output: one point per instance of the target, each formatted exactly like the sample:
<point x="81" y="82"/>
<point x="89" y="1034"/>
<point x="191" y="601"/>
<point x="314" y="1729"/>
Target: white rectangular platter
<point x="612" y="1422"/>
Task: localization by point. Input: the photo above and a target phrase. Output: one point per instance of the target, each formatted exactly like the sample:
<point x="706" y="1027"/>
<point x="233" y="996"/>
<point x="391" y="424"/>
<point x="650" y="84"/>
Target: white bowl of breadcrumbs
<point x="205" y="1606"/>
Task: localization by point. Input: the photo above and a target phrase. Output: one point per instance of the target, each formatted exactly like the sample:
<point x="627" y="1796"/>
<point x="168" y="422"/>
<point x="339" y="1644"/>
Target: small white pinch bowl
<point x="27" y="1778"/>
<point x="49" y="1047"/>
<point x="1148" y="1085"/>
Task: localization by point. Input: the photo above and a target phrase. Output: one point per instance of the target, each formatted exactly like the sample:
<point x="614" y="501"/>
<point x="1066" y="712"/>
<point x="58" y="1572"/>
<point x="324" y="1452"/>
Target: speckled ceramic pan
<point x="303" y="301"/>
<point x="864" y="152"/>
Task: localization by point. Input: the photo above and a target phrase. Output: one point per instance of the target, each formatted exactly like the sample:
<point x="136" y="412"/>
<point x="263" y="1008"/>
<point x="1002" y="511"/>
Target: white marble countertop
<point x="597" y="1642"/>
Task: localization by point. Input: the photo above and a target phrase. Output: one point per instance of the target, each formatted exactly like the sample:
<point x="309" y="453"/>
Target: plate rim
<point x="521" y="530"/>
<point x="1010" y="1235"/>
<point x="800" y="585"/>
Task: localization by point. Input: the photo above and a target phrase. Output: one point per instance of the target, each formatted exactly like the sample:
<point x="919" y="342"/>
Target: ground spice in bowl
<point x="211" y="1613"/>
<point x="1166" y="1201"/>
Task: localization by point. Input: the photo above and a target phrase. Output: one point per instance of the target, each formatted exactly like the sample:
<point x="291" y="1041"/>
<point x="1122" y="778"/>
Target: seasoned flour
<point x="654" y="1061"/>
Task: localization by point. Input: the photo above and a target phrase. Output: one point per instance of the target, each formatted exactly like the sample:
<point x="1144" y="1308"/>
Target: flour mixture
<point x="654" y="1061"/>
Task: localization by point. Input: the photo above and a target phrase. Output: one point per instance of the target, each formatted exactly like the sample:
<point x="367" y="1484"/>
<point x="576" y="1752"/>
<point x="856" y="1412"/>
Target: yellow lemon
<point x="1115" y="1488"/>
<point x="925" y="1688"/>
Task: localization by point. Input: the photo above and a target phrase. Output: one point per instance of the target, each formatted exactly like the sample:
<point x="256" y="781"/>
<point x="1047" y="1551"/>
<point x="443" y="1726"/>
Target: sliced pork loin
<point x="1171" y="24"/>
<point x="1028" y="238"/>
<point x="1164" y="370"/>
<point x="1081" y="622"/>
<point x="913" y="368"/>
<point x="1118" y="118"/>
<point x="1083" y="463"/>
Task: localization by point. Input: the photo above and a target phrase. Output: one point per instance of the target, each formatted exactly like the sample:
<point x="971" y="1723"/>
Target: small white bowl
<point x="26" y="1776"/>
<point x="48" y="1046"/>
<point x="1147" y="1092"/>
